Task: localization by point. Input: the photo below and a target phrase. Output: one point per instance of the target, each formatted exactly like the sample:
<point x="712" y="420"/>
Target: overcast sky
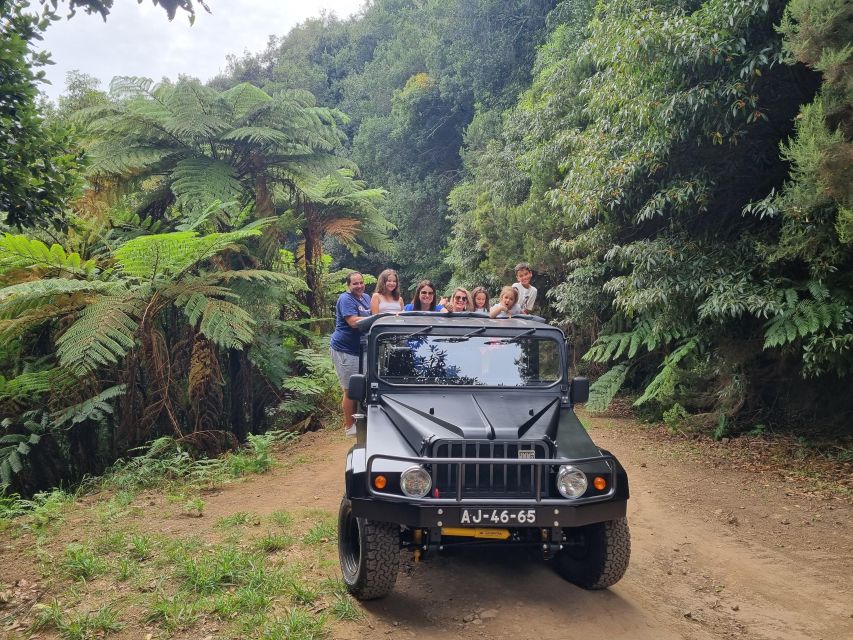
<point x="139" y="40"/>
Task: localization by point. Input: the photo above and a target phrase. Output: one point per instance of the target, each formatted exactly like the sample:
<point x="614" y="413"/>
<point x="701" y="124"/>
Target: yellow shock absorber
<point x="471" y="532"/>
<point x="418" y="538"/>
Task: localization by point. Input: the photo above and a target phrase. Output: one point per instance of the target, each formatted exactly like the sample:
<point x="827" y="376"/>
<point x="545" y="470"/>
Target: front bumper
<point x="429" y="516"/>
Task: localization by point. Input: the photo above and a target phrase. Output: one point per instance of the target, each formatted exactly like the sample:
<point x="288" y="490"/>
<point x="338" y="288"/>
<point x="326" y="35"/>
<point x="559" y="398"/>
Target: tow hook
<point x="551" y="542"/>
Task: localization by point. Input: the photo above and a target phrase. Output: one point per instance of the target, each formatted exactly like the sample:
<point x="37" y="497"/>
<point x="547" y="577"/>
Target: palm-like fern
<point x="277" y="153"/>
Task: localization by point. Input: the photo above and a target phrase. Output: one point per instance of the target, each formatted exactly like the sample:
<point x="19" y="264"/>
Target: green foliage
<point x="662" y="387"/>
<point x="674" y="417"/>
<point x="605" y="388"/>
<point x="39" y="170"/>
<point x="628" y="170"/>
<point x="21" y="252"/>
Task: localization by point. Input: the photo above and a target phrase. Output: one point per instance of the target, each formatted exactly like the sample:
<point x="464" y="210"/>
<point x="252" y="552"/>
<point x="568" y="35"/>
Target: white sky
<point x="139" y="40"/>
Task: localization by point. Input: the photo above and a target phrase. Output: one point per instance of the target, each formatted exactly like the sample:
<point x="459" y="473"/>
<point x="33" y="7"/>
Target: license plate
<point x="498" y="516"/>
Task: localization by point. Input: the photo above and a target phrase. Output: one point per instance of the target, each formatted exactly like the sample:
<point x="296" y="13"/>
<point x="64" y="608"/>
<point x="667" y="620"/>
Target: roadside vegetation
<point x="676" y="171"/>
<point x="106" y="567"/>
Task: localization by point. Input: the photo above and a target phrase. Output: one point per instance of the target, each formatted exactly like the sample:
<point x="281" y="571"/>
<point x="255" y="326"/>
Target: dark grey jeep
<point x="467" y="435"/>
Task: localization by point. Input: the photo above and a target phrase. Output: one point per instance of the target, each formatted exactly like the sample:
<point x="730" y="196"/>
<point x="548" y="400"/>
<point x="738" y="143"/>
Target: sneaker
<point x="351" y="431"/>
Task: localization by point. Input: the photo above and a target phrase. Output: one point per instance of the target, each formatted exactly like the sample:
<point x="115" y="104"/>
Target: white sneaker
<point x="351" y="431"/>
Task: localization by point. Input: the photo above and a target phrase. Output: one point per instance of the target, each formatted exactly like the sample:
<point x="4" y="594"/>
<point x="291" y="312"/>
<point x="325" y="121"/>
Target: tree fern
<point x="23" y="252"/>
<point x="224" y="323"/>
<point x="168" y="254"/>
<point x="18" y="298"/>
<point x="103" y="334"/>
<point x="199" y="181"/>
<point x="96" y="408"/>
<point x="603" y="390"/>
<point x="802" y="318"/>
<point x="664" y="382"/>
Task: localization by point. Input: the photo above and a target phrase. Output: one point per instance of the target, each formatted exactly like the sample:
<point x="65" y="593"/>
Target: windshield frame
<point x="544" y="333"/>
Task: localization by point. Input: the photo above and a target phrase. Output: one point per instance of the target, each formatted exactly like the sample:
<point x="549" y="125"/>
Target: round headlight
<point x="415" y="482"/>
<point x="571" y="482"/>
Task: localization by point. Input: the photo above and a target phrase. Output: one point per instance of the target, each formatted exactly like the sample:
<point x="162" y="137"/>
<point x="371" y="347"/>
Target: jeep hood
<point x="473" y="416"/>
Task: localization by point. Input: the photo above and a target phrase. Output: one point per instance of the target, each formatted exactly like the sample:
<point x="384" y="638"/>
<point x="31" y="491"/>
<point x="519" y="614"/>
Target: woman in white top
<point x="387" y="298"/>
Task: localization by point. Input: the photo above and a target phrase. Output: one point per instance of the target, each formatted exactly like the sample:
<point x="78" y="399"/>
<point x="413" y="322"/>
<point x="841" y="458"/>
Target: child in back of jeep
<point x="507" y="306"/>
<point x="526" y="291"/>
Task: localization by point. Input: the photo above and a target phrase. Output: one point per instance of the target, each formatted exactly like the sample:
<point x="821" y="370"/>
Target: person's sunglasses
<point x="460" y="298"/>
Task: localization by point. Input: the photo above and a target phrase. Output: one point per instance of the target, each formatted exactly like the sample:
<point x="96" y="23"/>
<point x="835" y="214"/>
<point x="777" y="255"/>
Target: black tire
<point x="597" y="554"/>
<point x="369" y="553"/>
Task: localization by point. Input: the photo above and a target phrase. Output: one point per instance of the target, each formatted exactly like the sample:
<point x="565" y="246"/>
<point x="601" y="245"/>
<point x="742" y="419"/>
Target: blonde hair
<point x="383" y="279"/>
<point x="512" y="291"/>
<point x="468" y="303"/>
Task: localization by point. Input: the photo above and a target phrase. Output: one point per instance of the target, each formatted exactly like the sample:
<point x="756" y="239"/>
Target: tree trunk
<point x="313" y="261"/>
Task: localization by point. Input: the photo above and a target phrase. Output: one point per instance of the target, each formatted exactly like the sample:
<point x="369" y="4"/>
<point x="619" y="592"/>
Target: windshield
<point x="521" y="361"/>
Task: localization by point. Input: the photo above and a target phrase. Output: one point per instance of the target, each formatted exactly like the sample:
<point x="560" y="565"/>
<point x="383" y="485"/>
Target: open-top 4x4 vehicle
<point x="467" y="435"/>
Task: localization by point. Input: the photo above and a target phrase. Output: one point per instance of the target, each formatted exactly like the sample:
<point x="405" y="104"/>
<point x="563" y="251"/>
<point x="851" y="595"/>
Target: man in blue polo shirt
<point x="351" y="306"/>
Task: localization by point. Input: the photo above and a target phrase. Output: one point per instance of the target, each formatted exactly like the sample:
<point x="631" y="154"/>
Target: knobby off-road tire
<point x="601" y="558"/>
<point x="369" y="553"/>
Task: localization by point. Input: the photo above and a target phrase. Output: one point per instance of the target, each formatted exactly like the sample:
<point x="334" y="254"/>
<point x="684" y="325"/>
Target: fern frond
<point x="245" y="99"/>
<point x="226" y="325"/>
<point x="168" y="254"/>
<point x="603" y="390"/>
<point x="95" y="408"/>
<point x="199" y="181"/>
<point x="18" y="298"/>
<point x="103" y="334"/>
<point x="32" y="384"/>
<point x="11" y="328"/>
<point x="664" y="382"/>
<point x="20" y="251"/>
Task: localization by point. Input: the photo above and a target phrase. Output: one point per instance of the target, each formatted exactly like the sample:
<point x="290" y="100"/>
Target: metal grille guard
<point x="461" y="463"/>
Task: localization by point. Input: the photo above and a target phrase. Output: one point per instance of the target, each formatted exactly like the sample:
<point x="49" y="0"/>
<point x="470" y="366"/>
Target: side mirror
<point x="580" y="390"/>
<point x="357" y="387"/>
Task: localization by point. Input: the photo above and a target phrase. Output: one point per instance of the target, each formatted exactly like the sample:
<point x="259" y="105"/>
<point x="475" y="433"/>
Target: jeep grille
<point x="491" y="479"/>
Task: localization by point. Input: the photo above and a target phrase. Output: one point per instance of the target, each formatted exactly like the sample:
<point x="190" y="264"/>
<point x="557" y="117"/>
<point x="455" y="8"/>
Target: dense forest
<point x="678" y="173"/>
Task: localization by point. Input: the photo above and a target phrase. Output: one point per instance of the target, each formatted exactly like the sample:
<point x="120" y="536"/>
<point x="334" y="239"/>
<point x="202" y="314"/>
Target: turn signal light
<point x="599" y="483"/>
<point x="380" y="482"/>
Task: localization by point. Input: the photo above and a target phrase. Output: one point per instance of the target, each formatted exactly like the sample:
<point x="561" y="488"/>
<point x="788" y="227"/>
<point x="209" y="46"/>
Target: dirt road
<point x="716" y="553"/>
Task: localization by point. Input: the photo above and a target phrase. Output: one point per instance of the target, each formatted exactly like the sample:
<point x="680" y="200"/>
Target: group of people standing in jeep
<point x="354" y="303"/>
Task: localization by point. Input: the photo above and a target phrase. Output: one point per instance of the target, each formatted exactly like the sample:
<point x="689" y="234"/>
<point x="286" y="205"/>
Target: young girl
<point x="508" y="305"/>
<point x="480" y="299"/>
<point x="424" y="299"/>
<point x="387" y="298"/>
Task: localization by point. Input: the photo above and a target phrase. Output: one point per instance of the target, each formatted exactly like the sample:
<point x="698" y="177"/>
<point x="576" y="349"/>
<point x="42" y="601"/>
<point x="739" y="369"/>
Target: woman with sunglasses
<point x="425" y="299"/>
<point x="460" y="301"/>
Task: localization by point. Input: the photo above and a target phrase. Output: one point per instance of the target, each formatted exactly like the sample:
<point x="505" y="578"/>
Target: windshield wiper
<point x="474" y="332"/>
<point x="462" y="338"/>
<point x="418" y="333"/>
<point x="520" y="335"/>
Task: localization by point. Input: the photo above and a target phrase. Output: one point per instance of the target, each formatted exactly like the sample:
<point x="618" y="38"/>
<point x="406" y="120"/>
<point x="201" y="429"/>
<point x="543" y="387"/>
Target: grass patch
<point x="84" y="625"/>
<point x="81" y="563"/>
<point x="173" y="613"/>
<point x="237" y="519"/>
<point x="281" y="518"/>
<point x="322" y="532"/>
<point x="297" y="624"/>
<point x="343" y="608"/>
<point x="272" y="542"/>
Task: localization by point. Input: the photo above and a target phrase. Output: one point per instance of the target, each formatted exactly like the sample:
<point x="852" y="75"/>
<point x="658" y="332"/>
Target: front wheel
<point x="369" y="553"/>
<point x="595" y="556"/>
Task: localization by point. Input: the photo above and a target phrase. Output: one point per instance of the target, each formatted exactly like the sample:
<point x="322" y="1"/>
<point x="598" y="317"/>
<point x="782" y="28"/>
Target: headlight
<point x="415" y="482"/>
<point x="571" y="482"/>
